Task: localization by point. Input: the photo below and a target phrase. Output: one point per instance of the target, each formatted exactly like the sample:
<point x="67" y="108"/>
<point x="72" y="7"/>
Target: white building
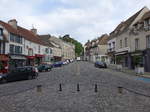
<point x="23" y="47"/>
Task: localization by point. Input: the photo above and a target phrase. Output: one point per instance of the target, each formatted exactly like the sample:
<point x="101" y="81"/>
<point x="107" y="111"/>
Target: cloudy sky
<point x="82" y="19"/>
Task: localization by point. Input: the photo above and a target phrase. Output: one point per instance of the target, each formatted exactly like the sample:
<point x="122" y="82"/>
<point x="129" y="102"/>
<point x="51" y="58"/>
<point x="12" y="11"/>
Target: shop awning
<point x="30" y="57"/>
<point x="39" y="55"/>
<point x="4" y="57"/>
<point x="19" y="57"/>
<point x="121" y="53"/>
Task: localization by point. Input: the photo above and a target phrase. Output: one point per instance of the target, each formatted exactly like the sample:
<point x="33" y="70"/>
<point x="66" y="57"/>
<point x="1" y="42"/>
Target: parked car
<point x="20" y="73"/>
<point x="100" y="64"/>
<point x="58" y="64"/>
<point x="44" y="67"/>
<point x="65" y="63"/>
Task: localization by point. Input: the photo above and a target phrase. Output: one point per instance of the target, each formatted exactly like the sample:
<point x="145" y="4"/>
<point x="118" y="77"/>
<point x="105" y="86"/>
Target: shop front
<point x="38" y="59"/>
<point x="4" y="63"/>
<point x="146" y="55"/>
<point x="57" y="58"/>
<point x="17" y="61"/>
<point x="124" y="58"/>
<point x="137" y="59"/>
<point x="30" y="60"/>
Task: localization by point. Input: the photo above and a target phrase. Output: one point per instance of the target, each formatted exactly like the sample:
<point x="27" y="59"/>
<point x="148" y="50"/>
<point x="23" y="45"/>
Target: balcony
<point x="111" y="50"/>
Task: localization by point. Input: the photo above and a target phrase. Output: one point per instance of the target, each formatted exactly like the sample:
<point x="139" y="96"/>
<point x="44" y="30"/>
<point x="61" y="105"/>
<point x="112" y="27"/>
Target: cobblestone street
<point x="22" y="96"/>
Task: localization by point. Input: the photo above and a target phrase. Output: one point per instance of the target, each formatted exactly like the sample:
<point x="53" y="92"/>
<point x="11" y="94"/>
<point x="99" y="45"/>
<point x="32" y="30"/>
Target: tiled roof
<point x="123" y="26"/>
<point x="146" y="16"/>
<point x="46" y="38"/>
<point x="27" y="34"/>
<point x="103" y="39"/>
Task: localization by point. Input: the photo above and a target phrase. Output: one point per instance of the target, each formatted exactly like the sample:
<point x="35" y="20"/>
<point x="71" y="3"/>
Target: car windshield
<point x="74" y="56"/>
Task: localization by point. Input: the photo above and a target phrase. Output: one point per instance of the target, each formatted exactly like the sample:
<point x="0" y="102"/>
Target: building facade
<point x="130" y="41"/>
<point x="67" y="49"/>
<point x="20" y="47"/>
<point x="96" y="49"/>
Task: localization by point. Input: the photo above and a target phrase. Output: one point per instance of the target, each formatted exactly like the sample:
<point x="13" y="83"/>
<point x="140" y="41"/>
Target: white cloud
<point x="82" y="19"/>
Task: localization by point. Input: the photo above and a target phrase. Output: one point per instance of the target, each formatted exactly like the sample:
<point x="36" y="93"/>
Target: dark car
<point x="44" y="67"/>
<point x="19" y="73"/>
<point x="58" y="64"/>
<point x="100" y="64"/>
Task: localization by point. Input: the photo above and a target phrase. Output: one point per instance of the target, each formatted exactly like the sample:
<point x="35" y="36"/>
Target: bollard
<point x="78" y="88"/>
<point x="96" y="88"/>
<point x="60" y="87"/>
<point x="39" y="88"/>
<point x="120" y="89"/>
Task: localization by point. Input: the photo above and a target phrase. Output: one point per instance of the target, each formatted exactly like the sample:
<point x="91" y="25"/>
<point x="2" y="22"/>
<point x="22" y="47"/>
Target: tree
<point x="78" y="45"/>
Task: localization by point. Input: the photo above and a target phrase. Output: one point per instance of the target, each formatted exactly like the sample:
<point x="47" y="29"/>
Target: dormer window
<point x="147" y="22"/>
<point x="1" y="31"/>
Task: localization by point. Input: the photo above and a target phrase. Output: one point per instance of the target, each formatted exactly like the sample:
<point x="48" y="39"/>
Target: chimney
<point x="13" y="23"/>
<point x="33" y="30"/>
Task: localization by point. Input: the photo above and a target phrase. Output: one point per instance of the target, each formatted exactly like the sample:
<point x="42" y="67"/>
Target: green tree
<point x="78" y="45"/>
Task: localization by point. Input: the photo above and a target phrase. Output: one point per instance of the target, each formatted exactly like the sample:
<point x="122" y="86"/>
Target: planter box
<point x="139" y="70"/>
<point x="119" y="67"/>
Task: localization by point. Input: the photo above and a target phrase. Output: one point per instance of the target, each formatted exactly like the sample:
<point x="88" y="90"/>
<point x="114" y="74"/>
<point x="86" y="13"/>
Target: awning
<point x="18" y="57"/>
<point x="39" y="55"/>
<point x="30" y="57"/>
<point x="121" y="53"/>
<point x="4" y="57"/>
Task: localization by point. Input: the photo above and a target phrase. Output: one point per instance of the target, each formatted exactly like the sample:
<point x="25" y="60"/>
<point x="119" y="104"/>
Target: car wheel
<point x="4" y="81"/>
<point x="30" y="77"/>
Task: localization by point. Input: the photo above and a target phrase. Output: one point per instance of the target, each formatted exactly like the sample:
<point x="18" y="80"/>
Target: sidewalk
<point x="129" y="71"/>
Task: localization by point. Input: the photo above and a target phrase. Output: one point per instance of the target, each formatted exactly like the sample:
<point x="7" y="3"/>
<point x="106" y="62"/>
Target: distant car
<point x="100" y="64"/>
<point x="58" y="64"/>
<point x="65" y="62"/>
<point x="44" y="67"/>
<point x="78" y="59"/>
<point x="71" y="60"/>
<point x="20" y="73"/>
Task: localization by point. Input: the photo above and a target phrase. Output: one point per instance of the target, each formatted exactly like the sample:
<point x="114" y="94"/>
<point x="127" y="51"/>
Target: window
<point x="113" y="44"/>
<point x="15" y="38"/>
<point x="12" y="38"/>
<point x="109" y="45"/>
<point x="18" y="50"/>
<point x="126" y="42"/>
<point x="50" y="51"/>
<point x="39" y="49"/>
<point x="136" y="44"/>
<point x="11" y="49"/>
<point x="30" y="52"/>
<point x="147" y="24"/>
<point x="46" y="50"/>
<point x="120" y="43"/>
<point x="148" y="41"/>
<point x="15" y="49"/>
<point x="1" y="32"/>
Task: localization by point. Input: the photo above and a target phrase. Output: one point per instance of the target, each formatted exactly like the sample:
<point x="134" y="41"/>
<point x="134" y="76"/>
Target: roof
<point x="46" y="39"/>
<point x="103" y="39"/>
<point x="123" y="26"/>
<point x="27" y="34"/>
<point x="146" y="15"/>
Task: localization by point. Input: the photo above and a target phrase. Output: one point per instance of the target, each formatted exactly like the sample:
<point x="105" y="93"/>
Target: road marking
<point x="144" y="79"/>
